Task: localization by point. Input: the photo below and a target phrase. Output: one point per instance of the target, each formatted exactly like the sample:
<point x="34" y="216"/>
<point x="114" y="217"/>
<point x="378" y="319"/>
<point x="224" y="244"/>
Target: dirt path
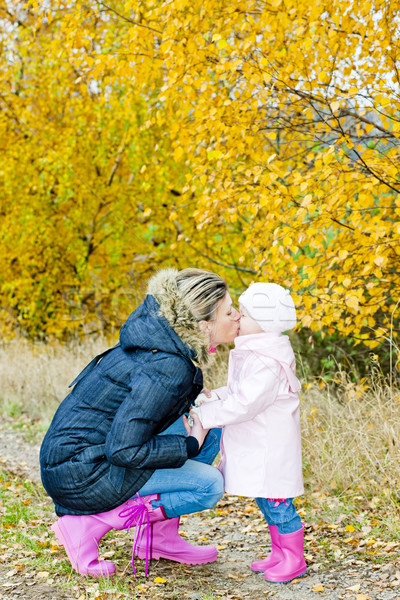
<point x="239" y="537"/>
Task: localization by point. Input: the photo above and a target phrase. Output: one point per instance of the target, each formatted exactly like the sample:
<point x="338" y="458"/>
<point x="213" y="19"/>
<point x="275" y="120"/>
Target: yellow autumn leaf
<point x="352" y="302"/>
<point x="267" y="77"/>
<point x="160" y="580"/>
<point x="307" y="320"/>
<point x="308" y="42"/>
<point x="178" y="153"/>
<point x="306" y="200"/>
<point x="354" y="588"/>
<point x="379" y="261"/>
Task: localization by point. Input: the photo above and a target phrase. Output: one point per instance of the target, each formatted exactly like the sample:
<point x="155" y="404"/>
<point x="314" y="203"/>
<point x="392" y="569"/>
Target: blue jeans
<point x="191" y="488"/>
<point x="284" y="516"/>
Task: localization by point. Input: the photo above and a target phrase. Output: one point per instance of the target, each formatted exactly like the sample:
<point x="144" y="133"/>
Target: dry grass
<point x="351" y="435"/>
<point x="34" y="378"/>
<point x="351" y="431"/>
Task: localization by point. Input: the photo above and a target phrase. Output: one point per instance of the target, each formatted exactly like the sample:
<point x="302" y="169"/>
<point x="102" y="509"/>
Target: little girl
<point x="260" y="415"/>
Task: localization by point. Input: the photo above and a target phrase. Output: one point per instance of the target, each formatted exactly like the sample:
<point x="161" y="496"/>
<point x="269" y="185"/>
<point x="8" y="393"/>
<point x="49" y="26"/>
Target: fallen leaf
<point x="354" y="588"/>
<point x="19" y="567"/>
<point x="160" y="580"/>
<point x="42" y="574"/>
<point x="139" y="588"/>
<point x="350" y="528"/>
<point x="11" y="573"/>
<point x="318" y="588"/>
<point x="363" y="597"/>
<point x="389" y="547"/>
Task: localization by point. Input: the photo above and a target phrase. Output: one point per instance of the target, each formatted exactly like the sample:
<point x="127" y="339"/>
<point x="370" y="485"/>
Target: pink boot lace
<point x="135" y="515"/>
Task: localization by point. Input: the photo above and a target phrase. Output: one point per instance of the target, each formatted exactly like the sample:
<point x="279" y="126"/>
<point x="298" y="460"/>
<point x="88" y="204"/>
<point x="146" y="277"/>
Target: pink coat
<point x="260" y="415"/>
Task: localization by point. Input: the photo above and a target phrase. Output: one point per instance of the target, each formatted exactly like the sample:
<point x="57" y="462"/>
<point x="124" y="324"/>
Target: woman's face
<point x="225" y="325"/>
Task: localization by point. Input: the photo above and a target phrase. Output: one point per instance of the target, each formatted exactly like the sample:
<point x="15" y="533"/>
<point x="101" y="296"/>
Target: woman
<point x="117" y="452"/>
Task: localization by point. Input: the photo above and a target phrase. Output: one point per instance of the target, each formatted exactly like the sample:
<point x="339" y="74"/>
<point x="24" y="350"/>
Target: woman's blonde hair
<point x="203" y="290"/>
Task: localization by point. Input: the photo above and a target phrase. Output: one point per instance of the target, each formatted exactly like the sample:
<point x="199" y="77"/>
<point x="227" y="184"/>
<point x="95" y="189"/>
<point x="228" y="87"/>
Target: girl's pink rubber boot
<point x="273" y="557"/>
<point x="292" y="563"/>
<point x="80" y="534"/>
<point x="165" y="542"/>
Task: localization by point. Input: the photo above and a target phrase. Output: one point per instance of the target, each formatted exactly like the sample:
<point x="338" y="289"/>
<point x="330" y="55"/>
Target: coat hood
<point x="269" y="344"/>
<point x="165" y="322"/>
<point x="275" y="346"/>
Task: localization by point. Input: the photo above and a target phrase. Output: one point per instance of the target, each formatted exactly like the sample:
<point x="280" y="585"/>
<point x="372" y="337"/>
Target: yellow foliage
<point x="238" y="136"/>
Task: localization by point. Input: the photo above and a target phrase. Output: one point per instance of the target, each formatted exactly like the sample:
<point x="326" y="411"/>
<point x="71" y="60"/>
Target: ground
<point x="343" y="563"/>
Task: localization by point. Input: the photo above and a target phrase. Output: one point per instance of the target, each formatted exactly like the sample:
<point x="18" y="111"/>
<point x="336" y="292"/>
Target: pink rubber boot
<point x="80" y="534"/>
<point x="165" y="542"/>
<point x="292" y="563"/>
<point x="273" y="557"/>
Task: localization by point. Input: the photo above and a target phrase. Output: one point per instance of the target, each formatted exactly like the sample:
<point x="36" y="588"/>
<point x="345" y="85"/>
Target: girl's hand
<point x="197" y="431"/>
<point x="205" y="396"/>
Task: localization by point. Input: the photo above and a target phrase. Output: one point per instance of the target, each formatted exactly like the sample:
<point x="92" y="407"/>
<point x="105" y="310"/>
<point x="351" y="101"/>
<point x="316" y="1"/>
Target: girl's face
<point x="225" y="326"/>
<point x="247" y="324"/>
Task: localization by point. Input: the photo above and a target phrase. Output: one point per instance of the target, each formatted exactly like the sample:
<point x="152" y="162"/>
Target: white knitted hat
<point x="270" y="305"/>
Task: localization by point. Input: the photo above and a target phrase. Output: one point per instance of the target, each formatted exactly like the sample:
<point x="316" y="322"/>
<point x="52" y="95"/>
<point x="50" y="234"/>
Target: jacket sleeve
<point x="131" y="441"/>
<point x="256" y="390"/>
<point x="221" y="392"/>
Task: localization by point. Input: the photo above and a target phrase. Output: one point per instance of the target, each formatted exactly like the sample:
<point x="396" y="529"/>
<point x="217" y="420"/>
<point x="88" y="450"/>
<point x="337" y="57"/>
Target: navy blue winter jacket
<point x="102" y="445"/>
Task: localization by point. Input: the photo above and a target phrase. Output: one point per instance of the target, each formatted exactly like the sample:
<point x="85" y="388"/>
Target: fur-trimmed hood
<point x="162" y="286"/>
<point x="165" y="322"/>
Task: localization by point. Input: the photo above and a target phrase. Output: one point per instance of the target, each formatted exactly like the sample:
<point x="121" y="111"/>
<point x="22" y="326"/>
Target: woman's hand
<point x="197" y="431"/>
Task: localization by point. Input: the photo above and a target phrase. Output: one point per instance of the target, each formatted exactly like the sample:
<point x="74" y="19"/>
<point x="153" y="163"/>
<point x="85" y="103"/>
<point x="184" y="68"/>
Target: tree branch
<point x="126" y="18"/>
